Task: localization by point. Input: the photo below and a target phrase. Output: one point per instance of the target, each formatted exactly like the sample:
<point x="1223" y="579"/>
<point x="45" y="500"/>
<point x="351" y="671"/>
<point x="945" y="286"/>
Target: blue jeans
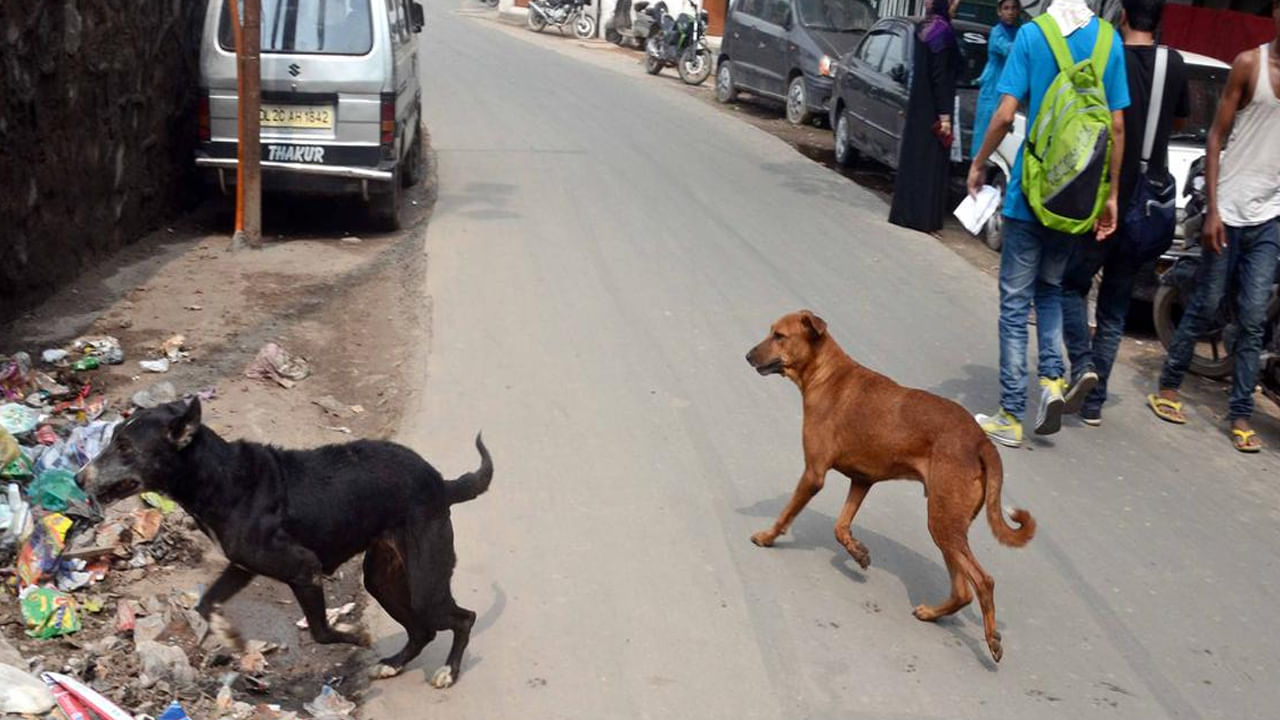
<point x="1032" y="261"/>
<point x="1119" y="274"/>
<point x="1248" y="265"/>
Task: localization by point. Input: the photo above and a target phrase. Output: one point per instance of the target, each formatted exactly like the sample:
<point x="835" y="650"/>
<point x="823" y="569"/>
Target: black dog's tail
<point x="469" y="485"/>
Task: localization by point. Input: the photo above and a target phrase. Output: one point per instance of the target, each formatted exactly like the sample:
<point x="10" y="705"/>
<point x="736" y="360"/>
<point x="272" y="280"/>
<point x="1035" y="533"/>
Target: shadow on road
<point x="438" y="649"/>
<point x="978" y="388"/>
<point x="814" y="530"/>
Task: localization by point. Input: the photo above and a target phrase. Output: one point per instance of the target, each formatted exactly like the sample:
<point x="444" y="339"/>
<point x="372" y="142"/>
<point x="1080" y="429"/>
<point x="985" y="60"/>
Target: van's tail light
<point x="388" y="125"/>
<point x="202" y="116"/>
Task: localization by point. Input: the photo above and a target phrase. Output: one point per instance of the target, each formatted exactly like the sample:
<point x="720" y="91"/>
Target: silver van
<point x="341" y="103"/>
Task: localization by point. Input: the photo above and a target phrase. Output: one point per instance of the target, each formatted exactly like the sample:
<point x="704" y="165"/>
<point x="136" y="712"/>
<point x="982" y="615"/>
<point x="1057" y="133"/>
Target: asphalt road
<point x="603" y="253"/>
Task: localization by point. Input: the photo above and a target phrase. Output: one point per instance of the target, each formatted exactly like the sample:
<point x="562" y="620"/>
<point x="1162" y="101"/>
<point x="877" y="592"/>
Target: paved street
<point x="603" y="252"/>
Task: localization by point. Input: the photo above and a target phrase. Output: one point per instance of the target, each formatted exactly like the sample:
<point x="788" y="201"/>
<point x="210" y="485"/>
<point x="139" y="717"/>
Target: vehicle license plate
<point x="297" y="116"/>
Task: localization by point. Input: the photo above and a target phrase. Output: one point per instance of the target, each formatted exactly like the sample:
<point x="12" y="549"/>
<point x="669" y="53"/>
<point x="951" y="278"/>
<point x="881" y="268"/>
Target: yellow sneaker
<point x="1001" y="427"/>
<point x="1052" y="403"/>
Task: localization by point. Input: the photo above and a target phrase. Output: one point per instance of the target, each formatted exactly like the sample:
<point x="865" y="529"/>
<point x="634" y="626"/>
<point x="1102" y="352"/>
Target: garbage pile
<point x="84" y="650"/>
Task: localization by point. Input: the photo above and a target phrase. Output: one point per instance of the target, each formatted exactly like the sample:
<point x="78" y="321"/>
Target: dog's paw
<point x="925" y="613"/>
<point x="859" y="553"/>
<point x="764" y="538"/>
<point x="997" y="649"/>
<point x="382" y="671"/>
<point x="442" y="678"/>
<point x="352" y="634"/>
<point x="225" y="632"/>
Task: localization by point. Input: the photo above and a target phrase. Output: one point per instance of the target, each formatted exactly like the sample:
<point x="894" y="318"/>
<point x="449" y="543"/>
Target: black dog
<point x="294" y="515"/>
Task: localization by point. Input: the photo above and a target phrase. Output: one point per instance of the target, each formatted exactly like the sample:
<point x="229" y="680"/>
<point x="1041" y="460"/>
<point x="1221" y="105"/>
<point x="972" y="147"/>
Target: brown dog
<point x="869" y="428"/>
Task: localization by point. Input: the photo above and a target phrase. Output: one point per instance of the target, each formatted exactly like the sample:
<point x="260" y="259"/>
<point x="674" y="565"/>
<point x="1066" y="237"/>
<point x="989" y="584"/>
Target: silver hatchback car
<point x="341" y="102"/>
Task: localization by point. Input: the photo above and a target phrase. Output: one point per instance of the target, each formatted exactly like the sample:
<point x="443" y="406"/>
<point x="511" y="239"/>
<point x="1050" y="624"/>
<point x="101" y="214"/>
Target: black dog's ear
<point x="816" y="326"/>
<point x="182" y="429"/>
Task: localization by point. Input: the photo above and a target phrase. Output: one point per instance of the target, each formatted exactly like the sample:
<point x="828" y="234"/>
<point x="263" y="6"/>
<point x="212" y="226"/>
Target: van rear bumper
<point x="333" y="171"/>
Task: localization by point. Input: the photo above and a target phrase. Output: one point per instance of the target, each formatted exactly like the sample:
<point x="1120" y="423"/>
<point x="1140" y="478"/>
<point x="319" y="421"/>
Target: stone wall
<point x="97" y="128"/>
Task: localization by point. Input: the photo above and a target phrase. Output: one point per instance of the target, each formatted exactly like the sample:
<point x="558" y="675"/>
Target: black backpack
<point x="1150" y="217"/>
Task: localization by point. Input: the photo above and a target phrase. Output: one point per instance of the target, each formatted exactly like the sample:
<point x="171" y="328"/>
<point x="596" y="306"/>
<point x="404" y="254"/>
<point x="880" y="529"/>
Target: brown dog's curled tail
<point x="470" y="485"/>
<point x="1005" y="533"/>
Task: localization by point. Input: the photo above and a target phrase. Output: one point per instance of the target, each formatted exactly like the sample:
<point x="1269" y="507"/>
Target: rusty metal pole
<point x="237" y="238"/>
<point x="248" y="38"/>
<point x="251" y="102"/>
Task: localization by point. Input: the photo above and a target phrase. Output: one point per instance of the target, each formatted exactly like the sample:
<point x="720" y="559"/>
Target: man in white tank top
<point x="1241" y="234"/>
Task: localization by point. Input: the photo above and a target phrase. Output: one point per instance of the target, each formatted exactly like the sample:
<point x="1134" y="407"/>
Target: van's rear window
<point x="334" y="27"/>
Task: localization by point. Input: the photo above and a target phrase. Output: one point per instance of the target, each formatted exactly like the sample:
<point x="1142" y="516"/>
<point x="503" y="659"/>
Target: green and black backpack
<point x="1065" y="171"/>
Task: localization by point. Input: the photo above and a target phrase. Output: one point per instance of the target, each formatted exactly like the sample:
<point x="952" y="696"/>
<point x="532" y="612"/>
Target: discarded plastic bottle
<point x="87" y="363"/>
<point x="173" y="712"/>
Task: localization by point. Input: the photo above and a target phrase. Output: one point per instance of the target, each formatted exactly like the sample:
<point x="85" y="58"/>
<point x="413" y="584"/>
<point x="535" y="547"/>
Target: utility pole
<point x="248" y="37"/>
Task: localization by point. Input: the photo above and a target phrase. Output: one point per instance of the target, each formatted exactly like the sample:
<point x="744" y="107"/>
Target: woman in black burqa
<point x="920" y="188"/>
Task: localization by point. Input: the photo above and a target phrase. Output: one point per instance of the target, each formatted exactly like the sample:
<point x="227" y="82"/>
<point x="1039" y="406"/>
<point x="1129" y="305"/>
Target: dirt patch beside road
<point x="351" y="305"/>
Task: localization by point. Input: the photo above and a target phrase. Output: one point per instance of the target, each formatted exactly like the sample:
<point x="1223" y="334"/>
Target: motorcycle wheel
<point x="537" y="23"/>
<point x="584" y="26"/>
<point x="611" y="34"/>
<point x="1211" y="358"/>
<point x="695" y="64"/>
<point x="652" y="63"/>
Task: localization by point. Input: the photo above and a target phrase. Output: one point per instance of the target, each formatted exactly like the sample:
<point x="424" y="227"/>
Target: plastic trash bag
<point x="49" y="612"/>
<point x="38" y="558"/>
<point x="18" y="419"/>
<point x="54" y="489"/>
<point x="274" y="363"/>
<point x="329" y="704"/>
<point x="160" y="502"/>
<point x="174" y="712"/>
<point x="9" y="449"/>
<point x="22" y="694"/>
<point x="88" y="441"/>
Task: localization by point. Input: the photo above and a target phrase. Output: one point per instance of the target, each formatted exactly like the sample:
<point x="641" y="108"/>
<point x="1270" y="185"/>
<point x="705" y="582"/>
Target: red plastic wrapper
<point x="46" y="436"/>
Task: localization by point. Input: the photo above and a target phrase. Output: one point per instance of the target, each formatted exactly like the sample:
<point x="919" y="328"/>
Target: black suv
<point x="787" y="50"/>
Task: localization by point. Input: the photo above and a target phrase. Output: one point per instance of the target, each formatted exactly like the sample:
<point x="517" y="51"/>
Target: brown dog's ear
<point x="183" y="428"/>
<point x="816" y="326"/>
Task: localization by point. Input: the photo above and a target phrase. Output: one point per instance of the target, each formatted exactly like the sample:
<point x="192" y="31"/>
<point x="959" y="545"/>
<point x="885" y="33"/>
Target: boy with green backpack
<point x="1068" y="66"/>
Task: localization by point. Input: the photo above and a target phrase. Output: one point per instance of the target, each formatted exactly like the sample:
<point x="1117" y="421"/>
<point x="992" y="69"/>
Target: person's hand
<point x="1215" y="234"/>
<point x="1106" y="223"/>
<point x="975" y="181"/>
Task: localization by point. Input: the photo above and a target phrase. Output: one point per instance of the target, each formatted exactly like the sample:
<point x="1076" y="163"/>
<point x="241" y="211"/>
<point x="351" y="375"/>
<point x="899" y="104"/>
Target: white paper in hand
<point x="974" y="212"/>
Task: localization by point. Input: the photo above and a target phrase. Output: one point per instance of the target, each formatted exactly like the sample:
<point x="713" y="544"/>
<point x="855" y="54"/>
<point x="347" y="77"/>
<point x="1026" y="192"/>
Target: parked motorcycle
<point x="1213" y="356"/>
<point x="681" y="42"/>
<point x="630" y="24"/>
<point x="562" y="14"/>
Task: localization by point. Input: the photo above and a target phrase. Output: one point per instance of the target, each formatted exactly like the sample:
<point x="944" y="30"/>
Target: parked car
<point x="787" y="50"/>
<point x="1206" y="78"/>
<point x="341" y="105"/>
<point x="872" y="87"/>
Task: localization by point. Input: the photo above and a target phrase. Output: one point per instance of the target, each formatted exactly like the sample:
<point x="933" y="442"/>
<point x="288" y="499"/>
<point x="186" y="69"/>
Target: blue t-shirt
<point x="1027" y="75"/>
